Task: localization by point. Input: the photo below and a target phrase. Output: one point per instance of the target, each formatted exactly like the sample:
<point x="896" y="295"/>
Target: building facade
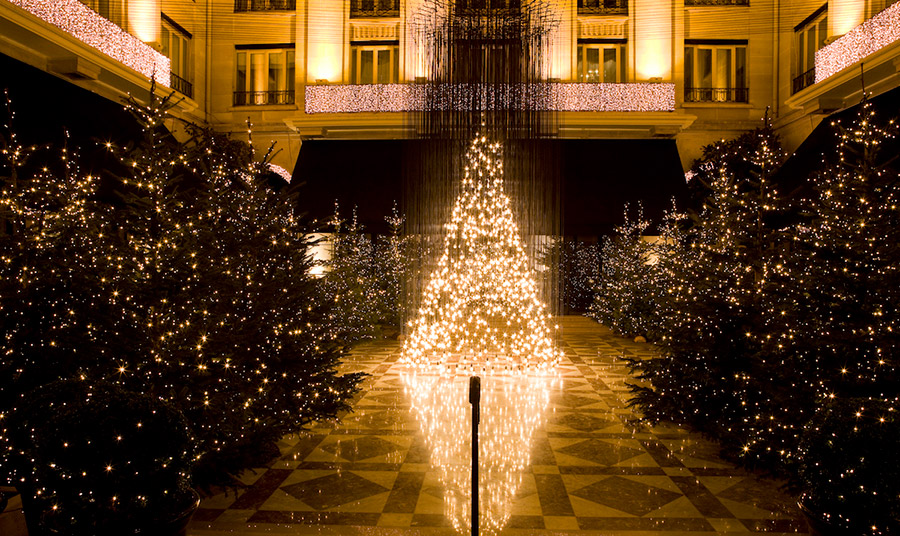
<point x="690" y="70"/>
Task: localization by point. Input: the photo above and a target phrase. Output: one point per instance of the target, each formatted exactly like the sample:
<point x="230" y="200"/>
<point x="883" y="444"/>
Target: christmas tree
<point x="194" y="287"/>
<point x="626" y="297"/>
<point x="715" y="306"/>
<point x="481" y="305"/>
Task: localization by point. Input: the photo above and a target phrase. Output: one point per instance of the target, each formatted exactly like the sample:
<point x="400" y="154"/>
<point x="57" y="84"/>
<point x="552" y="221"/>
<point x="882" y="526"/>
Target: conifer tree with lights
<point x="392" y="265"/>
<point x="714" y="308"/>
<point x="842" y="330"/>
<point x="481" y="305"/>
<point x="579" y="271"/>
<point x="626" y="298"/>
<point x="194" y="288"/>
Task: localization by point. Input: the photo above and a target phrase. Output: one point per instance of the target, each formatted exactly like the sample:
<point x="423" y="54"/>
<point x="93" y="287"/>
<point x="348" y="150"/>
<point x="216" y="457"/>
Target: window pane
<point x="257" y="80"/>
<point x="396" y="77"/>
<point x="723" y="68"/>
<point x="580" y="69"/>
<point x="366" y="67"/>
<point x="290" y="70"/>
<point x="689" y="67"/>
<point x="276" y="71"/>
<point x="609" y="65"/>
<point x="384" y="67"/>
<point x="622" y="62"/>
<point x="810" y="49"/>
<point x="593" y="65"/>
<point x="823" y="33"/>
<point x="740" y="67"/>
<point x="185" y="59"/>
<point x="704" y="68"/>
<point x="164" y="39"/>
<point x="354" y="63"/>
<point x="176" y="55"/>
<point x="240" y="79"/>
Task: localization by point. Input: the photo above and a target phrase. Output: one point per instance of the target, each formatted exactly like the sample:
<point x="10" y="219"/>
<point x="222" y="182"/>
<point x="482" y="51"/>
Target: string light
<point x="575" y="97"/>
<point x="481" y="306"/>
<point x="86" y="25"/>
<point x="867" y="38"/>
<point x="512" y="408"/>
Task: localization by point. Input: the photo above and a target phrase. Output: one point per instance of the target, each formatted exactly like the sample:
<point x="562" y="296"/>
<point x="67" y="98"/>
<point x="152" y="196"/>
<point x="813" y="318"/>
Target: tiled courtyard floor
<point x="590" y="468"/>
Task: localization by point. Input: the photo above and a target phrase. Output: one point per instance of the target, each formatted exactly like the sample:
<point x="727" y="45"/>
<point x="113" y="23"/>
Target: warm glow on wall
<point x="652" y="22"/>
<point x="144" y="19"/>
<point x="325" y="41"/>
<point x="844" y="15"/>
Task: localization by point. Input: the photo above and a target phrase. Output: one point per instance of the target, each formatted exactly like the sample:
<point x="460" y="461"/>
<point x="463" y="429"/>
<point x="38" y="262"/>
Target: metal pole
<point x="475" y="400"/>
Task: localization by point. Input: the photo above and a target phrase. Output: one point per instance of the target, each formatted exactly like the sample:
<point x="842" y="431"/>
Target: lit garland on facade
<point x="867" y="38"/>
<point x="481" y="306"/>
<point x="641" y="97"/>
<point x="86" y="25"/>
<point x="512" y="408"/>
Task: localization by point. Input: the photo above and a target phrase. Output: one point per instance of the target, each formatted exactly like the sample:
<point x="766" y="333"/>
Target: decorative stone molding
<point x="374" y="31"/>
<point x="603" y="28"/>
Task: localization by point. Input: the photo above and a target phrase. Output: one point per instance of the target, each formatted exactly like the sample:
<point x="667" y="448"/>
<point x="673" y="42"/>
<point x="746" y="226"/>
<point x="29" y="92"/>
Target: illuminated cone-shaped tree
<point x="481" y="305"/>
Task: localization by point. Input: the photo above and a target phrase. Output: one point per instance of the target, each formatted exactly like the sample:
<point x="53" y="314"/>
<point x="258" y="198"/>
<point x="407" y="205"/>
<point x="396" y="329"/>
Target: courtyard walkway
<point x="590" y="469"/>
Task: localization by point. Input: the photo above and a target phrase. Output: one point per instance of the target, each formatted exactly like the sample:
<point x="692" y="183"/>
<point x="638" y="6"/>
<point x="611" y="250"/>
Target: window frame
<point x="377" y="47"/>
<point x="581" y="63"/>
<point x="738" y="82"/>
<point x="250" y="94"/>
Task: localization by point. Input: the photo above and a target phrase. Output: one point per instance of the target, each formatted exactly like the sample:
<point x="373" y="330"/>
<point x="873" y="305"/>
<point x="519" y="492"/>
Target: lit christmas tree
<point x="481" y="305"/>
<point x="712" y="374"/>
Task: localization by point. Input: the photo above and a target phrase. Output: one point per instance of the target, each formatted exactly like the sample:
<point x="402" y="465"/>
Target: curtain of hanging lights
<point x="485" y="65"/>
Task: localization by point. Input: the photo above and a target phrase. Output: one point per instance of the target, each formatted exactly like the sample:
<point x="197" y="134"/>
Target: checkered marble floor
<point x="591" y="468"/>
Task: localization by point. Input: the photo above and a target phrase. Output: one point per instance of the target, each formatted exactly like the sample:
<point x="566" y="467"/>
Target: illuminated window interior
<point x="374" y="64"/>
<point x="601" y="62"/>
<point x="715" y="72"/>
<point x="264" y="76"/>
<point x="176" y="45"/>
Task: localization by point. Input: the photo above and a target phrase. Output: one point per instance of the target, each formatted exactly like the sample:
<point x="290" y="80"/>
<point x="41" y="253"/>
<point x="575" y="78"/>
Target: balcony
<point x="602" y="7"/>
<point x="804" y="81"/>
<point x="182" y="86"/>
<point x="263" y="98"/>
<point x="241" y="6"/>
<point x="708" y="94"/>
<point x="374" y="8"/>
<point x="689" y="3"/>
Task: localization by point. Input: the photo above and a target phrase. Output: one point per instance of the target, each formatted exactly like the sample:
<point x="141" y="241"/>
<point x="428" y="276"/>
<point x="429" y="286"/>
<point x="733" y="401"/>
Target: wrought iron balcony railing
<point x="804" y="81"/>
<point x="264" y="5"/>
<point x="717" y="2"/>
<point x="374" y="8"/>
<point x="263" y="98"/>
<point x="602" y="7"/>
<point x="713" y="94"/>
<point x="181" y="85"/>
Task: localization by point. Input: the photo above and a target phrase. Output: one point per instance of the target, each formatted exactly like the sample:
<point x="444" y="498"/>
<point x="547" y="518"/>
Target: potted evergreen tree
<point x="848" y="473"/>
<point x="94" y="459"/>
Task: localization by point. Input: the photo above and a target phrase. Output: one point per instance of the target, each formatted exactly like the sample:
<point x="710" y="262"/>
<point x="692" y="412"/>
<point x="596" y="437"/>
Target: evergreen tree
<point x="626" y="297"/>
<point x="194" y="288"/>
<point x="715" y="307"/>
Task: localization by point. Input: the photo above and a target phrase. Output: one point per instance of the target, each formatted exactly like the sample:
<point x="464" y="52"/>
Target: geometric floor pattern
<point x="592" y="468"/>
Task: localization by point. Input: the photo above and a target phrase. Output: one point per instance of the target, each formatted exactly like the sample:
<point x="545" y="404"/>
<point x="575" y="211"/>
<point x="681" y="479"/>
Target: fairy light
<point x="86" y="25"/>
<point x="867" y="38"/>
<point x="280" y="171"/>
<point x="512" y="408"/>
<point x="481" y="306"/>
<point x="578" y="97"/>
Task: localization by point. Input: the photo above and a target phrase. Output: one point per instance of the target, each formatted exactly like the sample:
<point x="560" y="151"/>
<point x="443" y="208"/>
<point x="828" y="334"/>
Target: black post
<point x="475" y="400"/>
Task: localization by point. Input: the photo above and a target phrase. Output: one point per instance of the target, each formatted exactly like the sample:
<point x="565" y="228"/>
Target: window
<point x="602" y="7"/>
<point x="108" y="9"/>
<point x="176" y="45"/>
<point x="374" y="8"/>
<point x="374" y="64"/>
<point x="264" y="5"/>
<point x="264" y="76"/>
<point x="600" y="62"/>
<point x="810" y="36"/>
<point x="715" y="72"/>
